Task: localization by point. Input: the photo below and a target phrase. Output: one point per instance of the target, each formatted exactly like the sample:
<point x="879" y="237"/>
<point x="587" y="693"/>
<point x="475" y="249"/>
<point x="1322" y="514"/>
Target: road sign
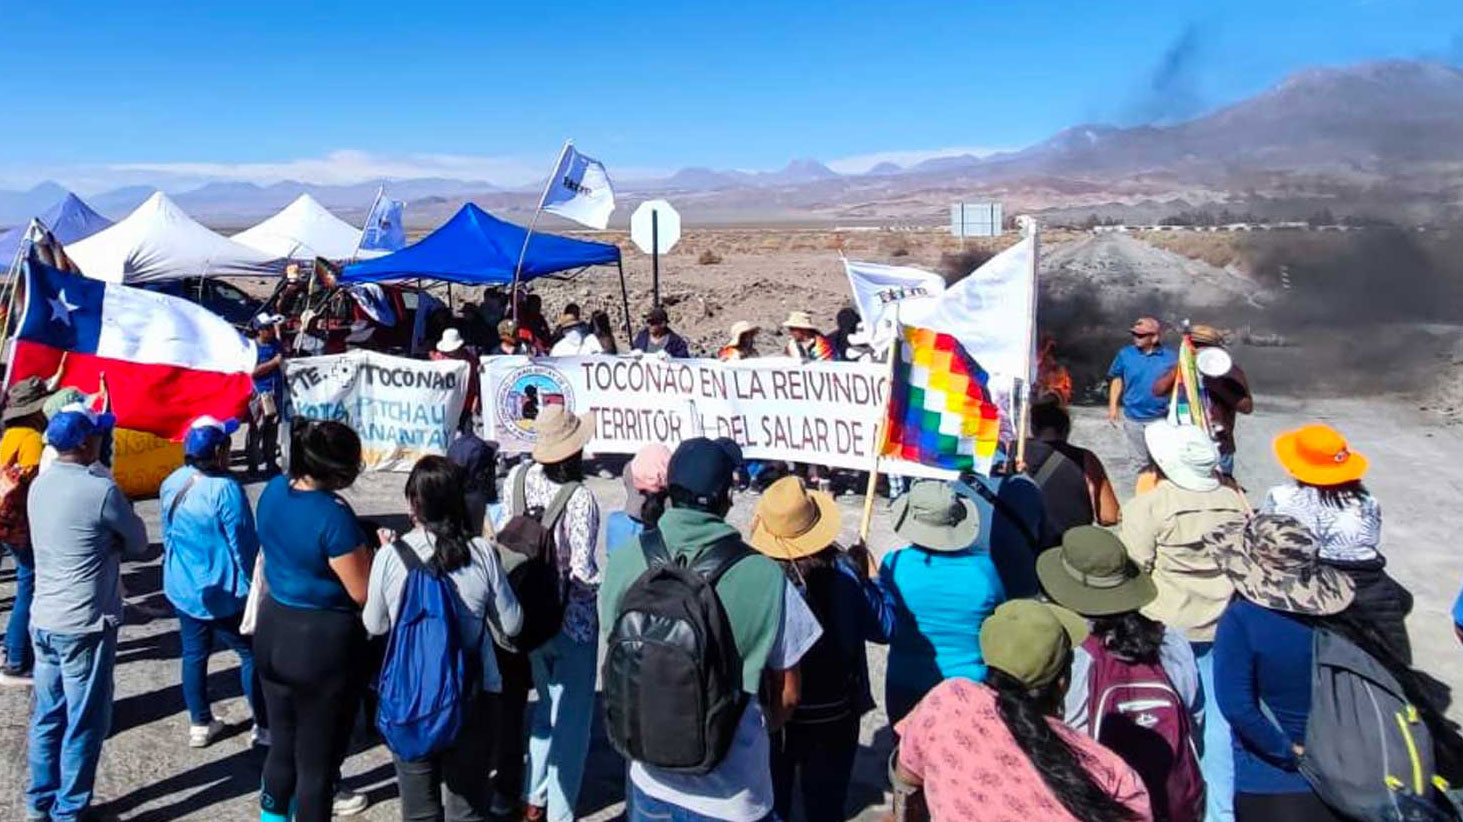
<point x="655" y="227"/>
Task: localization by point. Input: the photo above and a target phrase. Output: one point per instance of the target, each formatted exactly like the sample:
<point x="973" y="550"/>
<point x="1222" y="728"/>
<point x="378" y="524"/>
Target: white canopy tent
<point x="159" y="241"/>
<point x="304" y="230"/>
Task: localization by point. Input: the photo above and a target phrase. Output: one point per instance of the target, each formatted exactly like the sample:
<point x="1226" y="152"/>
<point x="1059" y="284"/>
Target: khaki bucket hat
<point x="560" y="434"/>
<point x="933" y="516"/>
<point x="25" y="397"/>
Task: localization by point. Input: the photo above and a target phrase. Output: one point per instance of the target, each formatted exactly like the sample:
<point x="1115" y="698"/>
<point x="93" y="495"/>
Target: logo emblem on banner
<point x="525" y="392"/>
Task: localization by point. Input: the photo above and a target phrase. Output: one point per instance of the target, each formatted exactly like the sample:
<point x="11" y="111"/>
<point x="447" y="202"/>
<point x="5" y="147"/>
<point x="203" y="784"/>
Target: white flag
<point x="580" y="190"/>
<point x="992" y="312"/>
<point x="879" y="289"/>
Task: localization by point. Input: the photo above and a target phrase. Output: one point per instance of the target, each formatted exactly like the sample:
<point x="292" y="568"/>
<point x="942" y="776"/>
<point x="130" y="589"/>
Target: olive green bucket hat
<point x="1090" y="573"/>
<point x="933" y="516"/>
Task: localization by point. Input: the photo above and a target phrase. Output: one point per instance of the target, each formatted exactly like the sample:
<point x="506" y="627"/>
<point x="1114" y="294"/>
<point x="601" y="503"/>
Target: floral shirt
<point x="576" y="538"/>
<point x="1348" y="534"/>
<point x="973" y="770"/>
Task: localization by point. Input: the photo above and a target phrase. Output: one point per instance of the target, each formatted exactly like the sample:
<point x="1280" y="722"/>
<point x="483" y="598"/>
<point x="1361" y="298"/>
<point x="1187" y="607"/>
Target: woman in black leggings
<point x="310" y="643"/>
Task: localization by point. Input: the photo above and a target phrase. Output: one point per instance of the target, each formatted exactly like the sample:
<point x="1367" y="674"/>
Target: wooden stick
<point x="881" y="432"/>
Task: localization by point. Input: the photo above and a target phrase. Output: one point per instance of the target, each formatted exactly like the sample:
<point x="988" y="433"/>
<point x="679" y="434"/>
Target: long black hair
<point x="600" y="322"/>
<point x="1025" y="713"/>
<point x="326" y="451"/>
<point x="434" y="490"/>
<point x="1130" y="636"/>
<point x="1340" y="495"/>
<point x="569" y="469"/>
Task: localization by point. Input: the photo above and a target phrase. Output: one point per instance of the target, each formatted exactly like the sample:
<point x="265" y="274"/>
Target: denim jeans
<point x="71" y="717"/>
<point x="18" y="652"/>
<point x="558" y="741"/>
<point x="198" y="637"/>
<point x="1217" y="759"/>
<point x="646" y="808"/>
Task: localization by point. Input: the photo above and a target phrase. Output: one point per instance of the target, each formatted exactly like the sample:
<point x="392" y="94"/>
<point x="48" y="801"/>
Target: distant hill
<point x="1381" y="138"/>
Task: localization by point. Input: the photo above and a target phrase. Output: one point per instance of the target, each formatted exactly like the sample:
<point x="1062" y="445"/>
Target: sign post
<point x="655" y="228"/>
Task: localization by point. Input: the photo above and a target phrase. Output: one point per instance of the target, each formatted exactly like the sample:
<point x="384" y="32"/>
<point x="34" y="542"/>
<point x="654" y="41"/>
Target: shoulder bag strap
<point x="1049" y="467"/>
<point x="719" y="558"/>
<point x="520" y="491"/>
<point x="182" y="492"/>
<point x="409" y="557"/>
<point x="1010" y="513"/>
<point x="652" y="545"/>
<point x="558" y="504"/>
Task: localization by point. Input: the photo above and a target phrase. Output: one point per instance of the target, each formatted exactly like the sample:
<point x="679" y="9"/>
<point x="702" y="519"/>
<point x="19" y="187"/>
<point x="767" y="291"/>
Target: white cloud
<point x="860" y="163"/>
<point x="348" y="166"/>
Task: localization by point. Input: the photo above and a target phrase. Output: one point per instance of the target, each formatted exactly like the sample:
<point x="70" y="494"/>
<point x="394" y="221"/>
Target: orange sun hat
<point x="1318" y="455"/>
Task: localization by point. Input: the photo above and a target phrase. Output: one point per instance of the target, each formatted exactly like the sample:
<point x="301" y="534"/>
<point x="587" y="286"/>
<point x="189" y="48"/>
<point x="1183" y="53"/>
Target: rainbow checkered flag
<point x="940" y="412"/>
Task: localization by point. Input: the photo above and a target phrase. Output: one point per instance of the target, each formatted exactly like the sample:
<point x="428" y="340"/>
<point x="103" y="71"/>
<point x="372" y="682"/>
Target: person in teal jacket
<point x="942" y="586"/>
<point x="209" y="549"/>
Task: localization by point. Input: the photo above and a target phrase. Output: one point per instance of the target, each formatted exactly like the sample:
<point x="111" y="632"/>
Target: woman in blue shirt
<point x="941" y="588"/>
<point x="310" y="643"/>
<point x="209" y="547"/>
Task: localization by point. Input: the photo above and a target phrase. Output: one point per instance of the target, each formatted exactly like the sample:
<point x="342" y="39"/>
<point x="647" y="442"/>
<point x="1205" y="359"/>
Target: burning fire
<point x="1052" y="378"/>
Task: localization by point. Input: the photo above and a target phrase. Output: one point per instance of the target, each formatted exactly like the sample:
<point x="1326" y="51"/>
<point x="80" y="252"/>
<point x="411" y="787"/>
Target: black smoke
<point x="1171" y="90"/>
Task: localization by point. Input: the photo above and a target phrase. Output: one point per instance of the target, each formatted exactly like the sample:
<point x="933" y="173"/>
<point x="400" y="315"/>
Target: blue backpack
<point x="426" y="676"/>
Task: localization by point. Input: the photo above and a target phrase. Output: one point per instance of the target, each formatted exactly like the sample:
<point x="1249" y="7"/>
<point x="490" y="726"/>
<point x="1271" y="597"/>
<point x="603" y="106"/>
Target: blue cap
<point x="702" y="471"/>
<point x="206" y="434"/>
<point x="69" y="428"/>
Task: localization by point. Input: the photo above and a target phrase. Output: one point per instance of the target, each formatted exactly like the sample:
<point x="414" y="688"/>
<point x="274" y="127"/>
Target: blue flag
<point x="383" y="230"/>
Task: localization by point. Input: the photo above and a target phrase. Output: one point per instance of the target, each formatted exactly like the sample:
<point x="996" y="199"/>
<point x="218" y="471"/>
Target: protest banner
<point x="141" y="461"/>
<point x="402" y="409"/>
<point x="824" y="413"/>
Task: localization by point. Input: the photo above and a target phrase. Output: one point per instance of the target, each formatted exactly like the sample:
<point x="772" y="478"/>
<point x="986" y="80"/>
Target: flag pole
<point x="380" y="190"/>
<point x="11" y="276"/>
<point x="881" y="433"/>
<point x="1022" y="387"/>
<point x="533" y="223"/>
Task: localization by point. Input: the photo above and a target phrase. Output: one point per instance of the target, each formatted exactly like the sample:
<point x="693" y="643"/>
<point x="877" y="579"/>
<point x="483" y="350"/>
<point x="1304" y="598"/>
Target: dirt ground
<point x="148" y="772"/>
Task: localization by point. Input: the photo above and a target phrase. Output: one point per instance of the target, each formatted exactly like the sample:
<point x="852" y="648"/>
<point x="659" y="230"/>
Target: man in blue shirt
<point x="262" y="441"/>
<point x="1131" y="376"/>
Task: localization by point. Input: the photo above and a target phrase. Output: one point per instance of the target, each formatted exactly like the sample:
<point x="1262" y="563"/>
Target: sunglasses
<point x="1143" y="335"/>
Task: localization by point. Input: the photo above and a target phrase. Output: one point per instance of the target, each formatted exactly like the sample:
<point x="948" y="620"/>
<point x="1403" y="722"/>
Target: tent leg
<point x="625" y="299"/>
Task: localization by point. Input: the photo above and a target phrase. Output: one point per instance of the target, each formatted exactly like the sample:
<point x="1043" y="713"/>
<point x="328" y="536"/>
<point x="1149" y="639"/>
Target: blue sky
<point x="101" y="93"/>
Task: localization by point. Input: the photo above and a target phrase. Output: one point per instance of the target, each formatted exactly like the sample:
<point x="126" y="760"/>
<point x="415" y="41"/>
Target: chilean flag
<point x="167" y="361"/>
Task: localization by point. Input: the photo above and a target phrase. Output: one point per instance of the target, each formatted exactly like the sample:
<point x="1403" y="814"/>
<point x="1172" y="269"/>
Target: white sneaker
<point x="14" y="678"/>
<point x="349" y="803"/>
<point x="201" y="736"/>
<point x="259" y="736"/>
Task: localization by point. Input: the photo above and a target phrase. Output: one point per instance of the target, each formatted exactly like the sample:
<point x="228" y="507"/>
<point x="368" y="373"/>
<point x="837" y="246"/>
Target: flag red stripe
<point x="159" y="399"/>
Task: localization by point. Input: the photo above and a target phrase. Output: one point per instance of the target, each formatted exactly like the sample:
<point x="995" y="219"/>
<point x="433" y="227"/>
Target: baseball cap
<point x="68" y="430"/>
<point x="1147" y="325"/>
<point x="702" y="470"/>
<point x="268" y="320"/>
<point x="657" y="316"/>
<point x="1031" y="640"/>
<point x="206" y="434"/>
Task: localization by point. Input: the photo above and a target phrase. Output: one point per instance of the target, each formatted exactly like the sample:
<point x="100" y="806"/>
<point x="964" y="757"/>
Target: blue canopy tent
<point x="70" y="220"/>
<point x="476" y="248"/>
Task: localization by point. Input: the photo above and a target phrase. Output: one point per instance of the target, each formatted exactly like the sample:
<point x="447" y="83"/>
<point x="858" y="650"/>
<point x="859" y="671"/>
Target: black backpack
<point x="672" y="673"/>
<point x="530" y="558"/>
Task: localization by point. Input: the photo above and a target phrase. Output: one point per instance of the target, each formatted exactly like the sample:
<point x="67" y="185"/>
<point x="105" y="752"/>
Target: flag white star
<point x="61" y="309"/>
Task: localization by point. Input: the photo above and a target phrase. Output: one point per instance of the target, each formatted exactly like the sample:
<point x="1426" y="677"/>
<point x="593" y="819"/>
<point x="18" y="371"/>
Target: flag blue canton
<point x="63" y="311"/>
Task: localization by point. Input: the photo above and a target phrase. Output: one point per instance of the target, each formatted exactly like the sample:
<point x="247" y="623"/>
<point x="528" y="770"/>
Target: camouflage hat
<point x="1274" y="561"/>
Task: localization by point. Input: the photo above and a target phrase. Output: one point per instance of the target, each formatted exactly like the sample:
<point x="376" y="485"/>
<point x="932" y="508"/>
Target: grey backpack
<point x="1368" y="753"/>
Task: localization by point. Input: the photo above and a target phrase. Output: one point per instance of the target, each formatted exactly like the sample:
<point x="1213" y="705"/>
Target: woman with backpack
<point x="209" y="549"/>
<point x="816" y="746"/>
<point x="449" y="784"/>
<point x="998" y="751"/>
<point x="1327" y="496"/>
<point x="564" y="665"/>
<point x="941" y="587"/>
<point x="645" y="496"/>
<point x="1134" y="684"/>
<point x="309" y="644"/>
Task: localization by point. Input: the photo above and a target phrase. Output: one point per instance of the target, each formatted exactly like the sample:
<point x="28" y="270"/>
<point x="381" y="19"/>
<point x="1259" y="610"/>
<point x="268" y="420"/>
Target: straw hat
<point x="1090" y="573"/>
<point x="1275" y="562"/>
<point x="560" y="434"/>
<point x="1206" y="335"/>
<point x="451" y="341"/>
<point x="800" y="319"/>
<point x="931" y="515"/>
<point x="792" y="522"/>
<point x="1318" y="455"/>
<point x="1186" y="454"/>
<point x="739" y="329"/>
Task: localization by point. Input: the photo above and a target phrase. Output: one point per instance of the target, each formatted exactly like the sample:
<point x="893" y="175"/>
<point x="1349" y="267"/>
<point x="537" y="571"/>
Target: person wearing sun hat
<point x="262" y="441"/>
<point x="563" y="669"/>
<point x="999" y="750"/>
<point x="209" y="549"/>
<point x="1130" y="385"/>
<point x="453" y="347"/>
<point x="81" y="526"/>
<point x="816" y="746"/>
<point x="741" y="344"/>
<point x="1226" y="388"/>
<point x="1327" y="496"/>
<point x="1263" y="652"/>
<point x="807" y="344"/>
<point x="1091" y="574"/>
<point x="942" y="586"/>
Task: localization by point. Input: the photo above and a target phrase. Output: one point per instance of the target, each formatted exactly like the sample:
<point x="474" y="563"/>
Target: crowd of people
<point x="1052" y="655"/>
